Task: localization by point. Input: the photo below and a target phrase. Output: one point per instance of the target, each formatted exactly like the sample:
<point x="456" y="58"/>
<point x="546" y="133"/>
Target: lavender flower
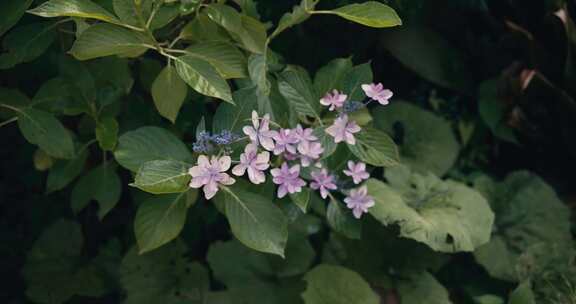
<point x="285" y="141"/>
<point x="377" y="92"/>
<point x="288" y="179"/>
<point x="323" y="181"/>
<point x="210" y="173"/>
<point x="260" y="133"/>
<point x="334" y="100"/>
<point x="224" y="138"/>
<point x="254" y="163"/>
<point x="303" y="135"/>
<point x="357" y="171"/>
<point x="359" y="201"/>
<point x="343" y="130"/>
<point x="309" y="151"/>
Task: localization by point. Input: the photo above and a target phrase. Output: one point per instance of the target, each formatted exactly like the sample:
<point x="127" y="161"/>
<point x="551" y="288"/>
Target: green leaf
<point x="255" y="220"/>
<point x="430" y="56"/>
<point x="326" y="140"/>
<point x="296" y="87"/>
<point x="101" y="40"/>
<point x="26" y="43"/>
<point x="354" y="79"/>
<point x="370" y="13"/>
<point x="225" y="57"/>
<point x="159" y="220"/>
<point x="523" y="294"/>
<point x="169" y="92"/>
<point x="65" y="171"/>
<point x="107" y="133"/>
<point x="301" y="199"/>
<point x="492" y="110"/>
<point x="101" y="184"/>
<point x="234" y="117"/>
<point x="133" y="12"/>
<point x="43" y="129"/>
<point x="337" y="285"/>
<point x="428" y="142"/>
<point x="342" y="221"/>
<point x="149" y="143"/>
<point x="203" y="77"/>
<point x="163" y="176"/>
<point x="422" y="285"/>
<point x="331" y="76"/>
<point x="73" y="8"/>
<point x="375" y="148"/>
<point x="299" y="14"/>
<point x="445" y="215"/>
<point x="203" y="29"/>
<point x="249" y="32"/>
<point x="11" y="12"/>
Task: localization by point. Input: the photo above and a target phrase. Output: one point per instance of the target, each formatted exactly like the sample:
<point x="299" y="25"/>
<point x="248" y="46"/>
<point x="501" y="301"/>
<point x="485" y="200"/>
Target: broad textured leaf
<point x="375" y="148"/>
<point x="523" y="294"/>
<point x="43" y="129"/>
<point x="169" y="92"/>
<point x="331" y="76"/>
<point x="163" y="176"/>
<point x="258" y="71"/>
<point x="492" y="110"/>
<point x="225" y="57"/>
<point x="296" y="87"/>
<point x="159" y="220"/>
<point x="445" y="215"/>
<point x="101" y="184"/>
<point x="65" y="171"/>
<point x="101" y="40"/>
<point x="301" y="199"/>
<point x="430" y="56"/>
<point x="203" y="29"/>
<point x="422" y="285"/>
<point x="326" y="140"/>
<point x="73" y="8"/>
<point x="528" y="214"/>
<point x="149" y="143"/>
<point x="327" y="284"/>
<point x="26" y="43"/>
<point x="299" y="14"/>
<point x="255" y="220"/>
<point x="107" y="133"/>
<point x="11" y="12"/>
<point x="203" y="77"/>
<point x="428" y="142"/>
<point x="234" y="117"/>
<point x="370" y="13"/>
<point x="133" y="12"/>
<point x="354" y="79"/>
<point x="341" y="220"/>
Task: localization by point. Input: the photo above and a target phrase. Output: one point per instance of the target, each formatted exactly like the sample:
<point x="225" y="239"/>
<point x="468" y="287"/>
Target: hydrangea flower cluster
<point x="293" y="149"/>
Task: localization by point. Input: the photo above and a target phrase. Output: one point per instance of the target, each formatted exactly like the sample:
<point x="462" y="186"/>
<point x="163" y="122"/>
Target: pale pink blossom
<point x="288" y="179"/>
<point x="303" y="134"/>
<point x="343" y="130"/>
<point x="211" y="173"/>
<point x="285" y="141"/>
<point x="260" y="133"/>
<point x="359" y="201"/>
<point x="334" y="100"/>
<point x="309" y="151"/>
<point x="357" y="171"/>
<point x="254" y="163"/>
<point x="377" y="92"/>
<point x="323" y="181"/>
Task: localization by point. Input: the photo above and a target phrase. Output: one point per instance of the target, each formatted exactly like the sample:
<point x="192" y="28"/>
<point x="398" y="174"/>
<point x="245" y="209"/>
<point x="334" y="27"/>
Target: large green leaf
<point x="447" y="216"/>
<point x="296" y="87"/>
<point x="342" y="221"/>
<point x="234" y="117"/>
<point x="331" y="76"/>
<point x="203" y="29"/>
<point x="169" y="92"/>
<point x="107" y="133"/>
<point x="65" y="171"/>
<point x="26" y="43"/>
<point x="101" y="184"/>
<point x="354" y="79"/>
<point x="163" y="176"/>
<point x="203" y="77"/>
<point x="101" y="40"/>
<point x="135" y="13"/>
<point x="523" y="294"/>
<point x="428" y="142"/>
<point x="43" y="129"/>
<point x="255" y="220"/>
<point x="422" y="285"/>
<point x="159" y="220"/>
<point x="528" y="214"/>
<point x="225" y="57"/>
<point x="327" y="284"/>
<point x="375" y="147"/>
<point x="370" y="13"/>
<point x="73" y="8"/>
<point x="149" y="143"/>
<point x="11" y="12"/>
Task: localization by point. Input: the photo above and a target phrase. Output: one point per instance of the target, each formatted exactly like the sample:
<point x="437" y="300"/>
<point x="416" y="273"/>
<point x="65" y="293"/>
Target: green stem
<point x="15" y="109"/>
<point x="9" y="121"/>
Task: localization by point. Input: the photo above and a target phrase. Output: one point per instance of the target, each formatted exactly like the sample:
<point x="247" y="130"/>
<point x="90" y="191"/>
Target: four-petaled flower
<point x="253" y="162"/>
<point x="334" y="100"/>
<point x="377" y="92"/>
<point x="359" y="201"/>
<point x="288" y="179"/>
<point x="285" y="141"/>
<point x="357" y="171"/>
<point x="343" y="130"/>
<point x="323" y="181"/>
<point x="210" y="173"/>
<point x="309" y="151"/>
<point x="259" y="132"/>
